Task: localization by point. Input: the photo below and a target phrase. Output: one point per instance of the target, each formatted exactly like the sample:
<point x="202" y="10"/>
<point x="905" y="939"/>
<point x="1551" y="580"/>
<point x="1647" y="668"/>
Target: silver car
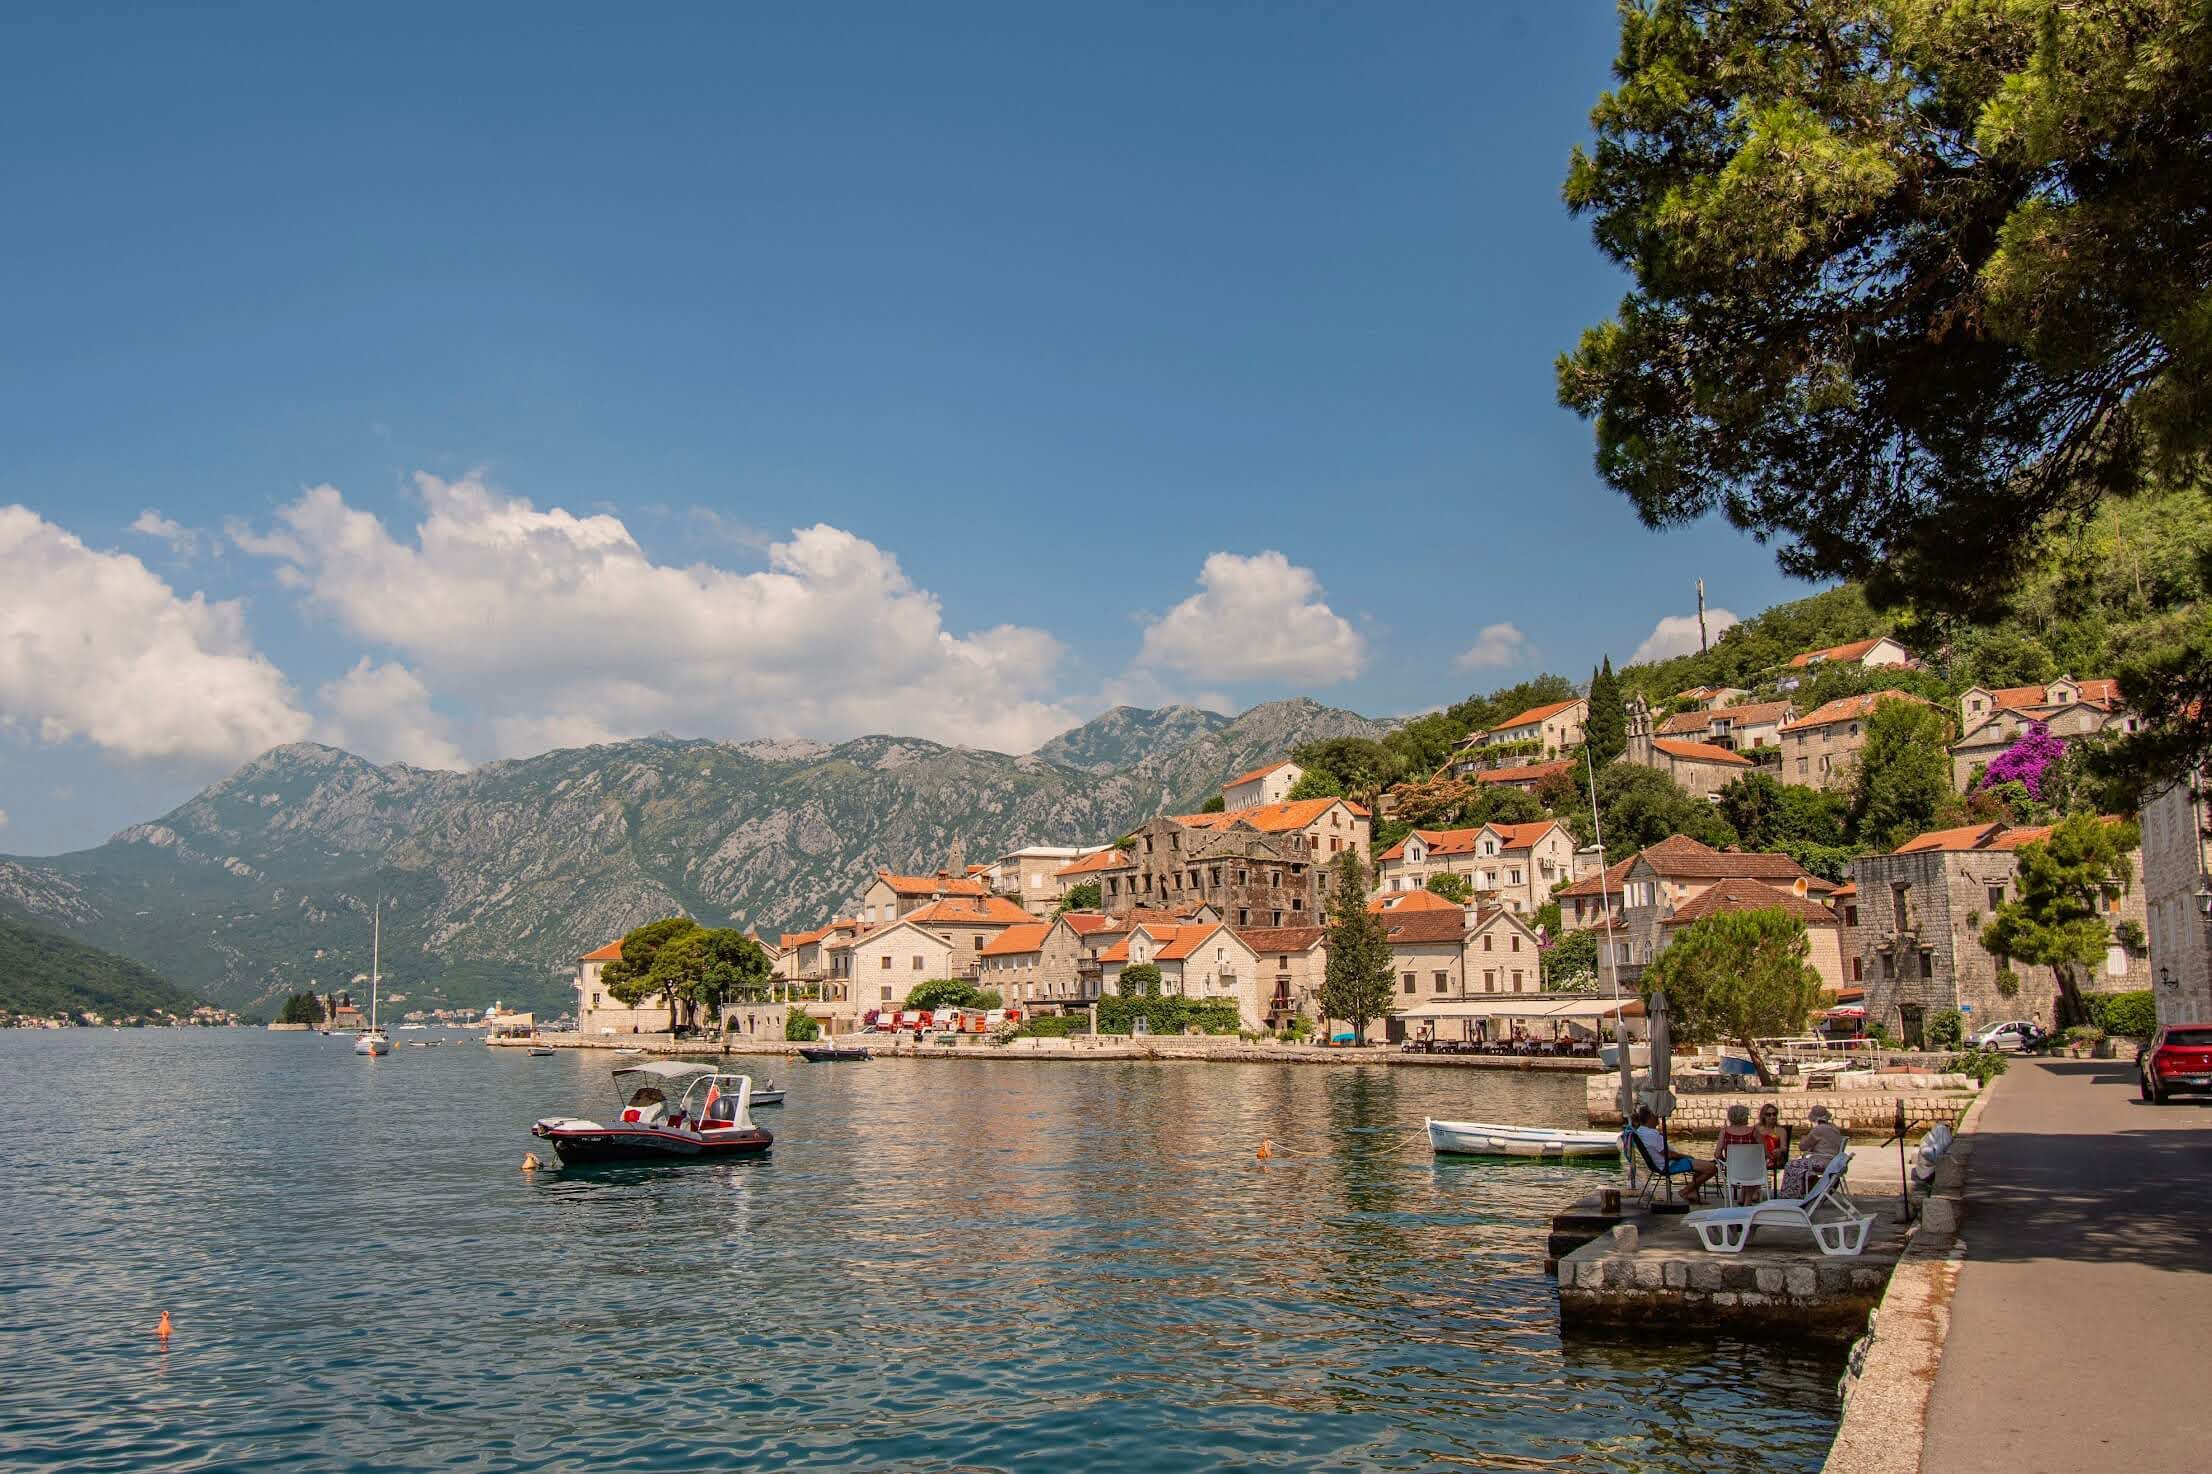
<point x="2012" y="1034"/>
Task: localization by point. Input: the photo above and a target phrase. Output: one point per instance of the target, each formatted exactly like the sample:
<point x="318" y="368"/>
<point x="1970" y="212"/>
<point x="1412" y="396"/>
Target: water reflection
<point x="942" y="1265"/>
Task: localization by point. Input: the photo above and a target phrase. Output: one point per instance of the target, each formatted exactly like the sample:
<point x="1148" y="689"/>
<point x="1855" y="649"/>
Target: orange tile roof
<point x="1535" y="714"/>
<point x="612" y="952"/>
<point x="1753" y="714"/>
<point x="1083" y="923"/>
<point x="1854" y="650"/>
<point x="1612" y="876"/>
<point x="932" y="885"/>
<point x="1741" y="893"/>
<point x="1700" y="752"/>
<point x="1270" y="818"/>
<point x="1256" y="773"/>
<point x="1028" y="937"/>
<point x="1678" y="855"/>
<point x="1849" y="709"/>
<point x="1522" y="836"/>
<point x="1426" y="926"/>
<point x="969" y="911"/>
<point x="2099" y="692"/>
<point x="1107" y="859"/>
<point x="1526" y="773"/>
<point x="1974" y="837"/>
<point x="1281" y="939"/>
<point x="1188" y="939"/>
<point x="1424" y="899"/>
<point x="1462" y="841"/>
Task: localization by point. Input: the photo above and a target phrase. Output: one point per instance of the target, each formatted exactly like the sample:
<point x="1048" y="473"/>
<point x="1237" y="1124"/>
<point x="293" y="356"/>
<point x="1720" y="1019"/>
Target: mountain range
<point x="496" y="879"/>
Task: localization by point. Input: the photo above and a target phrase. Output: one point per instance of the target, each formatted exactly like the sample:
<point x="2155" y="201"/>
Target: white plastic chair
<point x="1744" y="1171"/>
<point x="1729" y="1230"/>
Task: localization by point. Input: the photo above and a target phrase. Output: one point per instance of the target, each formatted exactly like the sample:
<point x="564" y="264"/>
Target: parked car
<point x="2177" y="1061"/>
<point x="2012" y="1034"/>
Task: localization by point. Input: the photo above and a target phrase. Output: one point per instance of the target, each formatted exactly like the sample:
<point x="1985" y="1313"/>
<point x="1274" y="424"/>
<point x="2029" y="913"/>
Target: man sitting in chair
<point x="1646" y="1127"/>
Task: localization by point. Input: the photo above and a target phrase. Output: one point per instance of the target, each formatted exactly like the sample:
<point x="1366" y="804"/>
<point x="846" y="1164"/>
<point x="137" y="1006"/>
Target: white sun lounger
<point x="1841" y="1235"/>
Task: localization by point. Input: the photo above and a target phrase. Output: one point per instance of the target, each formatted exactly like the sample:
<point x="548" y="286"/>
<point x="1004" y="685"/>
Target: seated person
<point x="1777" y="1140"/>
<point x="1823" y="1140"/>
<point x="1738" y="1132"/>
<point x="1646" y="1128"/>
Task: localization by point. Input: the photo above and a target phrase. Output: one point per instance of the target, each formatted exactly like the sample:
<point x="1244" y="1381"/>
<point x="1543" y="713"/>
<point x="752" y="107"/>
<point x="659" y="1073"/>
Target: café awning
<point x="1520" y="1006"/>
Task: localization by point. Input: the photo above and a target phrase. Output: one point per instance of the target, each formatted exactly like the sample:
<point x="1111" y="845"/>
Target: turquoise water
<point x="942" y="1266"/>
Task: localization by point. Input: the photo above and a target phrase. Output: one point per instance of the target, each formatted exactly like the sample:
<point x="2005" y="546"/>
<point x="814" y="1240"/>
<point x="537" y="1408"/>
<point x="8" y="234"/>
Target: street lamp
<point x="2165" y="977"/>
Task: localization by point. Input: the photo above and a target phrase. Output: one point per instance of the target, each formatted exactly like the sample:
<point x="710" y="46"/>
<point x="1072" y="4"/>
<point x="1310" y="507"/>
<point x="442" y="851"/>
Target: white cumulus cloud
<point x="95" y="645"/>
<point x="1496" y="645"/>
<point x="183" y="541"/>
<point x="1258" y="618"/>
<point x="1677" y="635"/>
<point x="556" y="627"/>
<point x="383" y="712"/>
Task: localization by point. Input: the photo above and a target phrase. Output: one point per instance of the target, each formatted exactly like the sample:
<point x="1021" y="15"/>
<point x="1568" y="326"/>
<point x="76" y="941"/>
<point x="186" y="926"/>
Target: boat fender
<point x="1267" y="1149"/>
<point x="529" y="1161"/>
<point x="162" y="1330"/>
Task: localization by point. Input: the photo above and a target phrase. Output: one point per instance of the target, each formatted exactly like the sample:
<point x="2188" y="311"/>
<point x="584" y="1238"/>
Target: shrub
<point x="2129" y="1015"/>
<point x="943" y="993"/>
<point x="1167" y="1015"/>
<point x="799" y="1028"/>
<point x="1299" y="1029"/>
<point x="1053" y="1026"/>
<point x="1946" y="1029"/>
<point x="1984" y="1065"/>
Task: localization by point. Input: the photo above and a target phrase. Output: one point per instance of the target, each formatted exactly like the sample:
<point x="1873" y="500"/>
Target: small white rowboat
<point x="1483" y="1139"/>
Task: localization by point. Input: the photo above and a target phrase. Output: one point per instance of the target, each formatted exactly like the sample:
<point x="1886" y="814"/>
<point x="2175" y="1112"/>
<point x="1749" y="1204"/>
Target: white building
<point x="1269" y="785"/>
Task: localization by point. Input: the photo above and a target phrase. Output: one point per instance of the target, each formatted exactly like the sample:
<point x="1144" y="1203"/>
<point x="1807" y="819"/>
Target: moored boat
<point x="815" y="1054"/>
<point x="668" y="1111"/>
<point x="1488" y="1139"/>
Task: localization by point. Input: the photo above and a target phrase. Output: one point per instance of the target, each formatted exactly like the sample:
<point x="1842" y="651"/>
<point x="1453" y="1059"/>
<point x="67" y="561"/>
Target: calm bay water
<point x="942" y="1266"/>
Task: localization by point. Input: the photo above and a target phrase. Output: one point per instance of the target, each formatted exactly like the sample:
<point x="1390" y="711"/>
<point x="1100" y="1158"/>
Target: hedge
<point x="1167" y="1015"/>
<point x="2128" y="1015"/>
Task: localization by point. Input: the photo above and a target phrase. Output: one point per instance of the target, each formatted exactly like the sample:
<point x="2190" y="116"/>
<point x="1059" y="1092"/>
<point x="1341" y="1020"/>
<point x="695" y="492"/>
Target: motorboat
<point x="1487" y="1139"/>
<point x="629" y="1051"/>
<point x="666" y="1110"/>
<point x="818" y="1054"/>
<point x="770" y="1094"/>
<point x="373" y="1040"/>
<point x="541" y="1054"/>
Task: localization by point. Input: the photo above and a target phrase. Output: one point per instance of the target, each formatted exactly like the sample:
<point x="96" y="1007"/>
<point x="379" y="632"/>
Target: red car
<point x="2177" y="1061"/>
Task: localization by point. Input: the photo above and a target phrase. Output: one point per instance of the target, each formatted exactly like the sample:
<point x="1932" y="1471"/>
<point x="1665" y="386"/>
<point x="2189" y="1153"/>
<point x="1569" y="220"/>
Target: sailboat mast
<point x="376" y="956"/>
<point x="1605" y="909"/>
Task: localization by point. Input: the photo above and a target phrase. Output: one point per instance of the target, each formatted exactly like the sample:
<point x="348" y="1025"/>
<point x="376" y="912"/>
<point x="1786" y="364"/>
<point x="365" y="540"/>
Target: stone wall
<point x="1607" y="1283"/>
<point x="1928" y="1099"/>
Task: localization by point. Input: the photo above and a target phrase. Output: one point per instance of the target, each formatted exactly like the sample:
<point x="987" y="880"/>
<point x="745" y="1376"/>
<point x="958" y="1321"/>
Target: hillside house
<point x="885" y="964"/>
<point x="968" y="924"/>
<point x="1197" y="961"/>
<point x="1921" y="910"/>
<point x="1712" y="698"/>
<point x="1292" y="962"/>
<point x="1540" y="733"/>
<point x="1269" y="785"/>
<point x="1699" y="768"/>
<point x="1527" y="777"/>
<point x="1513" y="866"/>
<point x="1745" y="728"/>
<point x="1033" y="876"/>
<point x="890" y="896"/>
<point x="1821" y="748"/>
<point x="1658" y="881"/>
<point x="1991" y="719"/>
<point x="1011" y="964"/>
<point x="1872" y="654"/>
<point x="1824" y="929"/>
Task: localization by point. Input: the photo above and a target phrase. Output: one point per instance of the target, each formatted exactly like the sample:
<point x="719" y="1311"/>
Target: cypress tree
<point x="1606" y="731"/>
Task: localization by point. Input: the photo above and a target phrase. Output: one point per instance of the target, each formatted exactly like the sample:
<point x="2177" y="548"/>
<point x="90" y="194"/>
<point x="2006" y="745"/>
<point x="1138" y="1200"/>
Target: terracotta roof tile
<point x="1855" y="650"/>
<point x="1083" y="923"/>
<point x="1256" y="774"/>
<point x="1108" y="859"/>
<point x="1398" y="903"/>
<point x="1270" y="818"/>
<point x="1742" y="894"/>
<point x="1850" y="709"/>
<point x="1535" y="714"/>
<point x="1612" y="876"/>
<point x="1426" y="926"/>
<point x="612" y="952"/>
<point x="966" y="911"/>
<point x="1678" y="855"/>
<point x="1028" y="937"/>
<point x="1280" y="939"/>
<point x="1700" y="752"/>
<point x="932" y="885"/>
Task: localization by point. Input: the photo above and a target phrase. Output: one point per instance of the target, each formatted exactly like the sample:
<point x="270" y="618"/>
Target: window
<point x="1516" y="980"/>
<point x="1274" y="880"/>
<point x="1927" y="962"/>
<point x="1515" y="940"/>
<point x="1858" y="969"/>
<point x="1513" y="877"/>
<point x="1486" y="941"/>
<point x="917" y="962"/>
<point x="1489" y="980"/>
<point x="1801" y="766"/>
<point x="1409" y="982"/>
<point x="1213" y="875"/>
<point x="595" y="1000"/>
<point x="1278" y="921"/>
<point x="1335" y="844"/>
<point x="1437" y="980"/>
<point x="1241" y="877"/>
<point x="1244" y="917"/>
<point x="1850" y="915"/>
<point x="887" y="995"/>
<point x="1889" y="966"/>
<point x="1296" y="905"/>
<point x="978" y="941"/>
<point x="1900" y="905"/>
<point x="886" y="962"/>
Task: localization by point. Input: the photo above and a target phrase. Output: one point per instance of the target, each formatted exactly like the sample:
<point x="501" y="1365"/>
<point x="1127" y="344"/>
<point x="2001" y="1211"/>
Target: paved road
<point x="2081" y="1333"/>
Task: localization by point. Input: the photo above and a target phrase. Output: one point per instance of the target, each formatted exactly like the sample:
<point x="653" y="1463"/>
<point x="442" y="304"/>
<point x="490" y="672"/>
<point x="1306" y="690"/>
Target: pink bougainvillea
<point x="2026" y="760"/>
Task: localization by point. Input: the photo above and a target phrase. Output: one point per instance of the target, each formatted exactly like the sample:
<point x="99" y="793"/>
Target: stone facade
<point x="1265" y="866"/>
<point x="1290" y="963"/>
<point x="1033" y="877"/>
<point x="753" y="1023"/>
<point x="885" y="964"/>
<point x="1992" y="719"/>
<point x="1198" y="962"/>
<point x="1261" y="786"/>
<point x="2176" y="882"/>
<point x="1514" y="866"/>
<point x="1699" y="768"/>
<point x="1821" y="749"/>
<point x="599" y="1013"/>
<point x="1921" y="915"/>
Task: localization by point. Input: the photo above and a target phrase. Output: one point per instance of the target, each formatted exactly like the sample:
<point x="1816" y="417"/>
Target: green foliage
<point x="1571" y="963"/>
<point x="1919" y="290"/>
<point x="1640" y="807"/>
<point x="302" y="1008"/>
<point x="1297" y="1028"/>
<point x="1984" y="1065"/>
<point x="1903" y="782"/>
<point x="1053" y="1026"/>
<point x="800" y="1028"/>
<point x="1605" y="733"/>
<point x="1545" y="918"/>
<point x="1457" y="803"/>
<point x="1213" y="805"/>
<point x="1422" y="743"/>
<point x="1751" y="654"/>
<point x="1451" y="887"/>
<point x="943" y="993"/>
<point x="693" y="969"/>
<point x="2056" y="917"/>
<point x="1139" y="980"/>
<point x="1082" y="896"/>
<point x="2129" y="934"/>
<point x="2126" y="1015"/>
<point x="43" y="973"/>
<point x="1807" y="824"/>
<point x="1356" y="985"/>
<point x="1739" y="976"/>
<point x="1317" y="783"/>
<point x="1118" y="1013"/>
<point x="1944" y="1029"/>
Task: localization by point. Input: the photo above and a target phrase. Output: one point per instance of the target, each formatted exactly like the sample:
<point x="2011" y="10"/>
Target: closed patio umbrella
<point x="1660" y="1076"/>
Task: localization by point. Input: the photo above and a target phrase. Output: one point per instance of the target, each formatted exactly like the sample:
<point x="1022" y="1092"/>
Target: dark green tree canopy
<point x="1606" y="731"/>
<point x="1910" y="278"/>
<point x="2058" y="917"/>
<point x="1355" y="984"/>
<point x="1903" y="785"/>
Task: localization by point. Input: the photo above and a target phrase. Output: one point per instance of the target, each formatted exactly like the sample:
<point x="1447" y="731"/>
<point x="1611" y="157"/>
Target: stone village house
<point x="1265" y="866"/>
<point x="1512" y="865"/>
<point x="1542" y="732"/>
<point x="1992" y="719"/>
<point x="1261" y="787"/>
<point x="1650" y="887"/>
<point x="1205" y="960"/>
<point x="1821" y="749"/>
<point x="1917" y="946"/>
<point x="2176" y="881"/>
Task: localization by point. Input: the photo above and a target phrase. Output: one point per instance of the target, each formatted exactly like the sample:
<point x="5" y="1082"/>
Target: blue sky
<point x="503" y="377"/>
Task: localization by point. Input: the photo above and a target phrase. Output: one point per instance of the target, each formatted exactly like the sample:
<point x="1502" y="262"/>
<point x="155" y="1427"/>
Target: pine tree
<point x="1356" y="986"/>
<point x="1606" y="731"/>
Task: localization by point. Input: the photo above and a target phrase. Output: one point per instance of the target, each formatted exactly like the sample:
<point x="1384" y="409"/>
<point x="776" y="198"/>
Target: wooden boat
<point x="669" y="1111"/>
<point x="1487" y="1139"/>
<point x="818" y="1054"/>
<point x="541" y="1054"/>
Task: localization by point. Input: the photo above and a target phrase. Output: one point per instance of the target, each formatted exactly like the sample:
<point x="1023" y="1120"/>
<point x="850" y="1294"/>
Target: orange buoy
<point x="529" y="1161"/>
<point x="162" y="1330"/>
<point x="1267" y="1149"/>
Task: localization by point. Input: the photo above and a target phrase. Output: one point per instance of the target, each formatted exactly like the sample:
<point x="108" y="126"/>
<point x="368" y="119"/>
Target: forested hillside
<point x="43" y="973"/>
